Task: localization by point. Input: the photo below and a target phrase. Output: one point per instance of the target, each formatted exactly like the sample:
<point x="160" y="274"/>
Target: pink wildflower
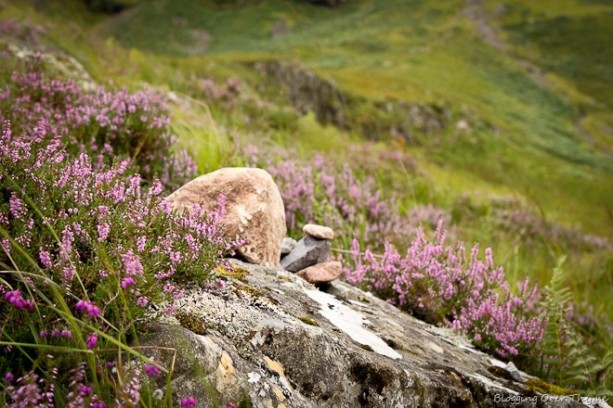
<point x="188" y="402"/>
<point x="87" y="306"/>
<point x="126" y="282"/>
<point x="151" y="370"/>
<point x="91" y="341"/>
<point x="16" y="299"/>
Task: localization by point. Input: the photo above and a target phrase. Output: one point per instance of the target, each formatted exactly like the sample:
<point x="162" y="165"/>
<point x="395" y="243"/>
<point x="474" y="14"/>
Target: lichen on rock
<point x="259" y="349"/>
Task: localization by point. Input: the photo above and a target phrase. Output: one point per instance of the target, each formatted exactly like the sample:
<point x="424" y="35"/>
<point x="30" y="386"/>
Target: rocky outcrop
<point x="268" y="338"/>
<point x="254" y="211"/>
<point x="377" y="120"/>
<point x="307" y="91"/>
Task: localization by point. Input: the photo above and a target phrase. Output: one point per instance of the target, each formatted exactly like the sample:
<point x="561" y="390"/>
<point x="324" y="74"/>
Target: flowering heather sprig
<point x="152" y="370"/>
<point x="91" y="340"/>
<point x="131" y="390"/>
<point x="79" y="389"/>
<point x="87" y="306"/>
<point x="55" y="333"/>
<point x="189" y="402"/>
<point x="15" y="298"/>
<point x="126" y="282"/>
<point x="30" y="390"/>
<point x="439" y="283"/>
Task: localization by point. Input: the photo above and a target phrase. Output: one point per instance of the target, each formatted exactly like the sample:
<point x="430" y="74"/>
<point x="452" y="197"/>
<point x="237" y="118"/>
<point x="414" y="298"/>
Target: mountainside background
<point x="495" y="115"/>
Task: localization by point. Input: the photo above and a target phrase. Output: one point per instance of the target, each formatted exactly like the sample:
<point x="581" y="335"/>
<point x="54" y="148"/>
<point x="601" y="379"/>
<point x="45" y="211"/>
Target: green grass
<point x="420" y="51"/>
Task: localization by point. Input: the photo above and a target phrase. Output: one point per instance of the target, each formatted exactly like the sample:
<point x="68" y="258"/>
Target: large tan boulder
<point x="254" y="209"/>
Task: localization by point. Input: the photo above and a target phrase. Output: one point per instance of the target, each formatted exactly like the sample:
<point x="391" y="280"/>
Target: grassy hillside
<point x="540" y="134"/>
<point x="497" y="113"/>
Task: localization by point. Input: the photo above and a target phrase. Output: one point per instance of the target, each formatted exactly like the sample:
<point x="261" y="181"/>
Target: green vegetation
<point x="510" y="135"/>
<point x="308" y="320"/>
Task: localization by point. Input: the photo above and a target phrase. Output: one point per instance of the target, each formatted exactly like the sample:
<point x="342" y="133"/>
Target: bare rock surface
<point x="307" y="252"/>
<point x="273" y="340"/>
<point x="321" y="273"/>
<point x="318" y="231"/>
<point x="287" y="245"/>
<point x="254" y="209"/>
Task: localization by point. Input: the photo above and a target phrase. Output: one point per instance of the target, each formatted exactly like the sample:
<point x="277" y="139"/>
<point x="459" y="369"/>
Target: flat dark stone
<point x="307" y="252"/>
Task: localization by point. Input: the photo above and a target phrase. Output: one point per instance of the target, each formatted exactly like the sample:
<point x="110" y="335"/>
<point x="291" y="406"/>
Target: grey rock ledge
<point x="271" y="339"/>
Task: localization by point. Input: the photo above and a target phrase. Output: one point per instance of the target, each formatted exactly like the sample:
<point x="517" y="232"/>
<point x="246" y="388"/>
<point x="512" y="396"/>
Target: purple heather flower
<point x="129" y="281"/>
<point x="151" y="370"/>
<point x="91" y="341"/>
<point x="103" y="231"/>
<point x="132" y="264"/>
<point x="140" y="243"/>
<point x="188" y="402"/>
<point x="85" y="389"/>
<point x="15" y="298"/>
<point x="16" y="206"/>
<point x="441" y="279"/>
<point x="87" y="306"/>
<point x="45" y="258"/>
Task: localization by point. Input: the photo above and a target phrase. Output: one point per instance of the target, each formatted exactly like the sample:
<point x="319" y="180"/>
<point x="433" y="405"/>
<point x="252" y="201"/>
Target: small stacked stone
<point x="321" y="273"/>
<point x="308" y="256"/>
<point x="318" y="231"/>
<point x="307" y="252"/>
<point x="287" y="245"/>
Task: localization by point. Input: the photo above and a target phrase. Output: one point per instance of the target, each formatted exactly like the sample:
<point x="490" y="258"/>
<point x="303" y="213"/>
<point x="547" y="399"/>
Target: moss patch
<point x="366" y="347"/>
<point x="235" y="272"/>
<point x="253" y="291"/>
<point x="543" y="387"/>
<point x="191" y="322"/>
<point x="308" y="320"/>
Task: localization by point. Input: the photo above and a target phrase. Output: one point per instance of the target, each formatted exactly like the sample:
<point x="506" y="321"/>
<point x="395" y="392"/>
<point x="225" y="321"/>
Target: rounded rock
<point x="318" y="231"/>
<point x="287" y="245"/>
<point x="254" y="209"/>
<point x="321" y="273"/>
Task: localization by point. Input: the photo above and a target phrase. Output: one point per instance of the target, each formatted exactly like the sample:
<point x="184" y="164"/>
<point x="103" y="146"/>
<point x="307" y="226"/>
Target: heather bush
<point x="109" y="126"/>
<point x="339" y="197"/>
<point x="530" y="228"/>
<point x="88" y="246"/>
<point x="23" y="31"/>
<point x="441" y="284"/>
